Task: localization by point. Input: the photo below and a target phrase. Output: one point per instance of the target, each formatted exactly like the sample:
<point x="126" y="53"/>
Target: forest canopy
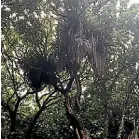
<point x="70" y="69"/>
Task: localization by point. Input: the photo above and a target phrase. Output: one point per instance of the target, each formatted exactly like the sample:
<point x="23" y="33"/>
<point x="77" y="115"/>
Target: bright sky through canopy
<point x="133" y="1"/>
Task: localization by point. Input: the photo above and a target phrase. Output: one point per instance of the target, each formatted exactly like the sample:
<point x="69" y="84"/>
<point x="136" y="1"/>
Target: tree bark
<point x="13" y="122"/>
<point x="79" y="133"/>
<point x="106" y="126"/>
<point x="29" y="132"/>
<point x="121" y="127"/>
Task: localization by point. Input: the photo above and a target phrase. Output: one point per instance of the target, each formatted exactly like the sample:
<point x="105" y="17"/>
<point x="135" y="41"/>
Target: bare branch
<point x="37" y="101"/>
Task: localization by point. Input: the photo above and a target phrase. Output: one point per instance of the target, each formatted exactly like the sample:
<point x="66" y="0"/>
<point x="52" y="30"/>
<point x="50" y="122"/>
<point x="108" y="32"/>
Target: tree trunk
<point x="13" y="122"/>
<point x="12" y="134"/>
<point x="121" y="127"/>
<point x="106" y="126"/>
<point x="29" y="132"/>
<point x="79" y="133"/>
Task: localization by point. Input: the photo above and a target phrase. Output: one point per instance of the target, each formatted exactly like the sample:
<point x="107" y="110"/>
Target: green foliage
<point x="97" y="42"/>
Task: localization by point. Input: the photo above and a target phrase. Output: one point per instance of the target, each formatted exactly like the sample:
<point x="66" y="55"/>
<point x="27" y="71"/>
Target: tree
<point x="81" y="56"/>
